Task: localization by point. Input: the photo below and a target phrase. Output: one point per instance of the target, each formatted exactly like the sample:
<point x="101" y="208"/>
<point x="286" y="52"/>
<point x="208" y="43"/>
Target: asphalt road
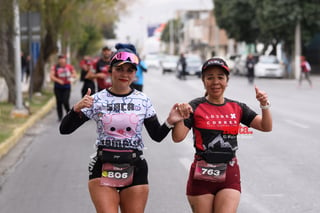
<point x="47" y="172"/>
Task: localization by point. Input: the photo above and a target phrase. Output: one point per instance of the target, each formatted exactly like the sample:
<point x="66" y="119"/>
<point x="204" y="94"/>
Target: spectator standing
<point x="28" y="61"/>
<point x="183" y="62"/>
<point x="24" y="66"/>
<point x="138" y="83"/>
<point x="250" y="67"/>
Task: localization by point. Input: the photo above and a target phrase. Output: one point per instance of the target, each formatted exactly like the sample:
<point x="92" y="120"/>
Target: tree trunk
<point x="48" y="46"/>
<point x="265" y="47"/>
<point x="289" y="63"/>
<point x="6" y="51"/>
<point x="274" y="49"/>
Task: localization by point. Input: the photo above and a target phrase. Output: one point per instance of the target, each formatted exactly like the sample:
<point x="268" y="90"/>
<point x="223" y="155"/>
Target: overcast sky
<point x="145" y="12"/>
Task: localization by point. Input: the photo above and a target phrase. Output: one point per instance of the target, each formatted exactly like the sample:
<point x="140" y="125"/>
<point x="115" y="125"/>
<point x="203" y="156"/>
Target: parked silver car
<point x="194" y="64"/>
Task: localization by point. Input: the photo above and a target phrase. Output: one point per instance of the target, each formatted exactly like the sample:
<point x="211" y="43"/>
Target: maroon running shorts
<point x="201" y="187"/>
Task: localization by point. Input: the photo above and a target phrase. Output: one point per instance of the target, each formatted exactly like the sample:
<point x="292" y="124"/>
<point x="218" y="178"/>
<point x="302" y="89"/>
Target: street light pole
<point x="17" y="55"/>
<point x="19" y="110"/>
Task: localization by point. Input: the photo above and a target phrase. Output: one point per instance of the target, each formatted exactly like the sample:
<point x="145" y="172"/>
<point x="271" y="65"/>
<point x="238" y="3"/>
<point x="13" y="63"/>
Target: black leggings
<point x="62" y="98"/>
<point x="307" y="77"/>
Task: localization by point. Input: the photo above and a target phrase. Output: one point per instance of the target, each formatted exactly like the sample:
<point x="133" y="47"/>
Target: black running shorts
<point x="140" y="175"/>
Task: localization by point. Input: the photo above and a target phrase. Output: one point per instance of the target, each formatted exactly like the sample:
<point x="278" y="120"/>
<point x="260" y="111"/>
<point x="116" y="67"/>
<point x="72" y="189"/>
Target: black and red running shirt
<point x="216" y="126"/>
<point x="103" y="66"/>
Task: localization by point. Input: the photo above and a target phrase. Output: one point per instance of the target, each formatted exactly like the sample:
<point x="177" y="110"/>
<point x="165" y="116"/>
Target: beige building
<point x="201" y="35"/>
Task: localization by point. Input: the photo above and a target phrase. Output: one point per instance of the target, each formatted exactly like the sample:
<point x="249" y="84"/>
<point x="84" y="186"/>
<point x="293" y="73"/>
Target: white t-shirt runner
<point x="120" y="119"/>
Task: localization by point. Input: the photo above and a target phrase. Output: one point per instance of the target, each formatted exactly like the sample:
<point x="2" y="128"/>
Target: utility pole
<point x="216" y="39"/>
<point x="297" y="50"/>
<point x="19" y="110"/>
<point x="171" y="33"/>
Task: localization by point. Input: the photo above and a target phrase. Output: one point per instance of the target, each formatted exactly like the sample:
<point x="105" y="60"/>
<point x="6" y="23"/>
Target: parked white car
<point x="152" y="61"/>
<point x="239" y="67"/>
<point x="169" y="63"/>
<point x="269" y="66"/>
<point x="231" y="60"/>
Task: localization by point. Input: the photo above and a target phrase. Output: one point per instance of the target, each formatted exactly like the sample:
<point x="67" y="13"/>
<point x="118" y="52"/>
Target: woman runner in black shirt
<point x="214" y="178"/>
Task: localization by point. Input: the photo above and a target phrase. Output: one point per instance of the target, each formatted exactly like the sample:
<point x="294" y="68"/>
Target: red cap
<point x="62" y="56"/>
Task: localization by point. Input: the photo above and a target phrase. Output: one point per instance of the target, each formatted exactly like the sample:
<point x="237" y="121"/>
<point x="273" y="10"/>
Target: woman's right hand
<point x="179" y="112"/>
<point x="85" y="102"/>
<point x="185" y="109"/>
<point x="180" y="131"/>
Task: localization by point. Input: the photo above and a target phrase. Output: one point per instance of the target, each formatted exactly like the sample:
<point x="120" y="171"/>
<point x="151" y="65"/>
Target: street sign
<point x="31" y="19"/>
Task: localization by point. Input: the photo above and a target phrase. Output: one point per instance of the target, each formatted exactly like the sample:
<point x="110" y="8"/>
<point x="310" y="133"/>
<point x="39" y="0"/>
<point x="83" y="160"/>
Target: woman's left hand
<point x="261" y="96"/>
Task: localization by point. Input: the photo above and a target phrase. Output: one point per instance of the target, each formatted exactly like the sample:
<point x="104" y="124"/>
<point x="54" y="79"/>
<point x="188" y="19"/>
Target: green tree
<point x="95" y="25"/>
<point x="55" y="16"/>
<point x="89" y="41"/>
<point x="177" y="33"/>
<point x="80" y="23"/>
<point x="6" y="47"/>
<point x="268" y="21"/>
<point x="278" y="20"/>
<point x="238" y="18"/>
<point x="70" y="22"/>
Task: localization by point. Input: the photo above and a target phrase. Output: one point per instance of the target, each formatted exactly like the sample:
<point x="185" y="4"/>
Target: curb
<point x="17" y="134"/>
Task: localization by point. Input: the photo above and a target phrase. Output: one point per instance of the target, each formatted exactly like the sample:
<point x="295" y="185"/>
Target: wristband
<point x="78" y="114"/>
<point x="168" y="125"/>
<point x="266" y="106"/>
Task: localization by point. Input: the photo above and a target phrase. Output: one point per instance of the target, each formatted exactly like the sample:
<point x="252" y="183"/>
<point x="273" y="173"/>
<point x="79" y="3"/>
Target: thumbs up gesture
<point x="88" y="92"/>
<point x="85" y="102"/>
<point x="261" y="96"/>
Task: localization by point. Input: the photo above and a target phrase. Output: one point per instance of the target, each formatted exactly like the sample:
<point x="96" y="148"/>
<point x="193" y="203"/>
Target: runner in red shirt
<point x="214" y="178"/>
<point x="61" y="74"/>
<point x="305" y="70"/>
<point x="102" y="69"/>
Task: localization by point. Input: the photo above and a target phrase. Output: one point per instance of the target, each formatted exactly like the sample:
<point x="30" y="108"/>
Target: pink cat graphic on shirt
<point x="120" y="126"/>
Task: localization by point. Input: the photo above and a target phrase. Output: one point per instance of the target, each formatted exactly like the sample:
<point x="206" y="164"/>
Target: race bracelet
<point x="168" y="125"/>
<point x="266" y="106"/>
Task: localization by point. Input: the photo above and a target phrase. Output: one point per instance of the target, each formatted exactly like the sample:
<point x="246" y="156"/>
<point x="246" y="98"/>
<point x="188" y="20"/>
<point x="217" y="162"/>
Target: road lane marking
<point x="273" y="195"/>
<point x="294" y="123"/>
<point x="186" y="162"/>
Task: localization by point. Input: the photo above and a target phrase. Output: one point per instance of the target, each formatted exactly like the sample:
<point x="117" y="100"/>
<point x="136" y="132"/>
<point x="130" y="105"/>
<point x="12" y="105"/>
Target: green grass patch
<point x="8" y="123"/>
